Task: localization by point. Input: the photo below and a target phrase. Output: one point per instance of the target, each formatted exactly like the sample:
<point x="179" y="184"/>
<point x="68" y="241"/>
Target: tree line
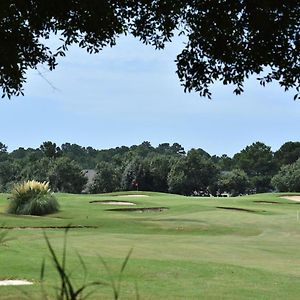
<point x="165" y="168"/>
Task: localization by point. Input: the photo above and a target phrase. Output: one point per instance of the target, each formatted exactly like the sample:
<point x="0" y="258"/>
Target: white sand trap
<point x="293" y="198"/>
<point x="15" y="282"/>
<point x="132" y="196"/>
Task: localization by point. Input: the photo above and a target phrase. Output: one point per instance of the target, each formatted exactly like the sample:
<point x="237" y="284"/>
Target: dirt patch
<point x="241" y="209"/>
<point x="47" y="227"/>
<point x="132" y="196"/>
<point x="141" y="209"/>
<point x="112" y="202"/>
<point x="293" y="198"/>
<point x="15" y="282"/>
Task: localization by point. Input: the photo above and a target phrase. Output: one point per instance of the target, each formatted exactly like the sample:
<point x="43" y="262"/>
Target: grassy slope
<point x="192" y="251"/>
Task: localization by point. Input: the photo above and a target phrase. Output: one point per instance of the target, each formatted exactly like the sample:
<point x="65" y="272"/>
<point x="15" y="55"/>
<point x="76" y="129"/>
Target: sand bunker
<point x="293" y="198"/>
<point x="112" y="202"/>
<point x="15" y="282"/>
<point x="132" y="196"/>
<point x="141" y="209"/>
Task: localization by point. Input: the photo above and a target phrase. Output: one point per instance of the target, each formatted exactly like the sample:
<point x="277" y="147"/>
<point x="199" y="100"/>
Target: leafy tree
<point x="106" y="180"/>
<point x="225" y="40"/>
<point x="288" y="178"/>
<point x="26" y="156"/>
<point x="142" y="150"/>
<point x="137" y="175"/>
<point x="50" y="150"/>
<point x="3" y="152"/>
<point x="19" y="153"/>
<point x="36" y="170"/>
<point x="10" y="172"/>
<point x="193" y="173"/>
<point x="160" y="166"/>
<point x="85" y="157"/>
<point x="258" y="162"/>
<point x="164" y="148"/>
<point x="3" y="148"/>
<point x="66" y="176"/>
<point x="224" y="162"/>
<point x="177" y="149"/>
<point x="235" y="182"/>
<point x="288" y="153"/>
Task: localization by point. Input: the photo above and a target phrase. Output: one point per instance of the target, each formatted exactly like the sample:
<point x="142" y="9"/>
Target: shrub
<point x="32" y="198"/>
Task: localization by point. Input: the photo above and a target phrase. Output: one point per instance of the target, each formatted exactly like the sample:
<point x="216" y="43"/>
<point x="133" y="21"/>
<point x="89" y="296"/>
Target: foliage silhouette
<point x="226" y="41"/>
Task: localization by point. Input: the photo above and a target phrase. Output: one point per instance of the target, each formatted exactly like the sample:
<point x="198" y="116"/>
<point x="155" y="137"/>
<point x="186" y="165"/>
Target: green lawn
<point x="193" y="250"/>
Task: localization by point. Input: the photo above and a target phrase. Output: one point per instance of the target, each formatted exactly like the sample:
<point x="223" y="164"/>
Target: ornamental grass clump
<point x="32" y="198"/>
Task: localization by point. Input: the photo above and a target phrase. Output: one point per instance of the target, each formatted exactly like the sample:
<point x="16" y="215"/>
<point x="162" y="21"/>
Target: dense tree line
<point x="165" y="168"/>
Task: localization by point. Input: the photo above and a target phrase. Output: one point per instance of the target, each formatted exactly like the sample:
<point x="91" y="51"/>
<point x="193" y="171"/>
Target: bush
<point x="32" y="198"/>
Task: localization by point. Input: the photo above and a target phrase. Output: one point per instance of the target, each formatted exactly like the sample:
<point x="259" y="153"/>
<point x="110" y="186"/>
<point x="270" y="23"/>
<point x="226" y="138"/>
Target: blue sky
<point x="130" y="93"/>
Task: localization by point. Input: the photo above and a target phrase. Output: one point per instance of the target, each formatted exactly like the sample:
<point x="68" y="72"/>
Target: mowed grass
<point x="193" y="250"/>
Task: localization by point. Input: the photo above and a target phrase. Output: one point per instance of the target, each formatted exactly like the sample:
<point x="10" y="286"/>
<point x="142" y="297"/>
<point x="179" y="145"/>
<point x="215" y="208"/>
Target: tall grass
<point x="67" y="289"/>
<point x="32" y="198"/>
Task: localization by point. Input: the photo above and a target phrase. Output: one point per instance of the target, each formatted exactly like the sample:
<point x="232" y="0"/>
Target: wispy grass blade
<point x="67" y="290"/>
<point x="42" y="272"/>
<point x="122" y="269"/>
<point x="112" y="281"/>
<point x="116" y="285"/>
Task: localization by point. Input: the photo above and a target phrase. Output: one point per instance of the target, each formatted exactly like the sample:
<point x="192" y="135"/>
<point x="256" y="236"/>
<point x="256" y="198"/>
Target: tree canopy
<point x="226" y="41"/>
<point x="165" y="168"/>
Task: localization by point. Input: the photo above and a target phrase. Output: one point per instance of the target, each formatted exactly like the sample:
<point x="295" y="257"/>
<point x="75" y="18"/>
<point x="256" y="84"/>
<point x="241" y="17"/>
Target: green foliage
<point x="224" y="162"/>
<point x="50" y="150"/>
<point x="85" y="157"/>
<point x="257" y="161"/>
<point x="193" y="173"/>
<point x="10" y="173"/>
<point x="137" y="172"/>
<point x="36" y="169"/>
<point x="66" y="176"/>
<point x="288" y="153"/>
<point x="106" y="180"/>
<point x="288" y="178"/>
<point x="166" y="148"/>
<point x="223" y="38"/>
<point x="160" y="166"/>
<point x="153" y="168"/>
<point x="235" y="182"/>
<point x="177" y="178"/>
<point x="3" y="152"/>
<point x="32" y="198"/>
